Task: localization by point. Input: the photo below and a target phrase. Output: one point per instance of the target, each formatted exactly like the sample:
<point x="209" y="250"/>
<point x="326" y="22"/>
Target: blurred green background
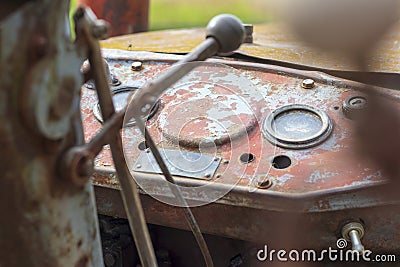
<point x="170" y="14"/>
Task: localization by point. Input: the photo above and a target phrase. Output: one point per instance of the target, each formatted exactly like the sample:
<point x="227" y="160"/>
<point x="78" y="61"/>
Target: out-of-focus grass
<point x="73" y="6"/>
<point x="169" y="14"/>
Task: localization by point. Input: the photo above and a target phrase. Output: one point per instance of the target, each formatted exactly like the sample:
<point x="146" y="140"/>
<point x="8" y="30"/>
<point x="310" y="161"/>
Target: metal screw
<point x="308" y="84"/>
<point x="137" y="66"/>
<point x="138" y="166"/>
<point x="207" y="175"/>
<point x="218" y="176"/>
<point x="226" y="162"/>
<point x="215" y="159"/>
<point x="264" y="184"/>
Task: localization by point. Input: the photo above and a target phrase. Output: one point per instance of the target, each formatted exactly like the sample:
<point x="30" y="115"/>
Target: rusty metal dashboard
<point x="267" y="141"/>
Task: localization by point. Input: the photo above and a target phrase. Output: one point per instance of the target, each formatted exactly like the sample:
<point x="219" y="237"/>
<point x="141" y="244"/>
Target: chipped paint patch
<point x="280" y="181"/>
<point x="319" y="176"/>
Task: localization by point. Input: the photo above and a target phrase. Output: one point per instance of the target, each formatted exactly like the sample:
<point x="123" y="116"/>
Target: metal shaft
<point x="146" y="97"/>
<point x="130" y="193"/>
<point x="225" y="33"/>
<point x="356" y="241"/>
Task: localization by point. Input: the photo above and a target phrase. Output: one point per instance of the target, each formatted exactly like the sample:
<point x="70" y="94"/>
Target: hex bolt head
<point x="136" y="66"/>
<point x="308" y="84"/>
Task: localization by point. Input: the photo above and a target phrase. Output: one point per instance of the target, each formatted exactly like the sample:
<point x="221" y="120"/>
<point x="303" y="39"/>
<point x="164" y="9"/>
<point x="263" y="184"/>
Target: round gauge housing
<point x="297" y="126"/>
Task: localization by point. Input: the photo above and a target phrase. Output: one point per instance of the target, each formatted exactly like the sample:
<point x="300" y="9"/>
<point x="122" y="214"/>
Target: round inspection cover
<point x="209" y="115"/>
<point x="120" y="97"/>
<point x="211" y="106"/>
<point x="297" y="126"/>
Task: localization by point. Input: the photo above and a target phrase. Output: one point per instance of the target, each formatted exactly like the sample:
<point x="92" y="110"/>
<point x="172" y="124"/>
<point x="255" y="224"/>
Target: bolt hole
<point x="247" y="158"/>
<point x="143" y="146"/>
<point x="336" y="107"/>
<point x="281" y="162"/>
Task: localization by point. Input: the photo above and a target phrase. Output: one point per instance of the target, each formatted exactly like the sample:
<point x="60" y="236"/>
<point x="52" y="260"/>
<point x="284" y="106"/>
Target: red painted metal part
<point x="124" y="16"/>
<point x="326" y="185"/>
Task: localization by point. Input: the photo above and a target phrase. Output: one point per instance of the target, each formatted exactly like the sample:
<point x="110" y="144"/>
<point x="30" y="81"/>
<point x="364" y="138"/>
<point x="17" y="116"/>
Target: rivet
<point x="138" y="166"/>
<point x="264" y="184"/>
<point x="308" y="84"/>
<point x="137" y="66"/>
<point x="207" y="175"/>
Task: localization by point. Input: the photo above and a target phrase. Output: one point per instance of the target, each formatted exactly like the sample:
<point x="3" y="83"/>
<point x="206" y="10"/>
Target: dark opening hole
<point x="336" y="108"/>
<point x="247" y="158"/>
<point x="143" y="145"/>
<point x="281" y="162"/>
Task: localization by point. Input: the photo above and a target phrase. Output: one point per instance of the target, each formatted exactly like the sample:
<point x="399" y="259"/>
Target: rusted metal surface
<point x="312" y="230"/>
<point x="124" y="16"/>
<point x="271" y="41"/>
<point x="46" y="220"/>
<point x="328" y="183"/>
<point x="225" y="33"/>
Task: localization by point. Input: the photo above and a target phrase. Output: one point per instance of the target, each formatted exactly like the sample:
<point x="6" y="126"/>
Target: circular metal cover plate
<point x="297" y="126"/>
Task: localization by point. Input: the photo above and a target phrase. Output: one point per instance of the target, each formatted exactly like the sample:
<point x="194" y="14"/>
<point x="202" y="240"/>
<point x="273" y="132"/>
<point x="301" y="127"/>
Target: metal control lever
<point x="225" y="33"/>
<point x="354" y="232"/>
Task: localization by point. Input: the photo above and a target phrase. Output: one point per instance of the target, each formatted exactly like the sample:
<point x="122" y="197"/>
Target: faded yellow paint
<point x="271" y="41"/>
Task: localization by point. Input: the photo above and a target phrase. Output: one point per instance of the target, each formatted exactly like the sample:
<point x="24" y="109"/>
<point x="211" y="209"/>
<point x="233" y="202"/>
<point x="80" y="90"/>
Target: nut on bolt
<point x="308" y="84"/>
<point x="354" y="232"/>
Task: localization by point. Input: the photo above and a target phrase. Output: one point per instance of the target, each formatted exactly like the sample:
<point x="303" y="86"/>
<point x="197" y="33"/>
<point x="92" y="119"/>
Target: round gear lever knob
<point x="228" y="30"/>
